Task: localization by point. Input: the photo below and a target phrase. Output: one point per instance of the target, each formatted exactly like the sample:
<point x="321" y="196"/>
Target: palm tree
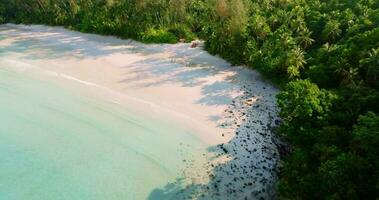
<point x="331" y="31"/>
<point x="372" y="65"/>
<point x="295" y="62"/>
<point x="348" y="75"/>
<point x="305" y="39"/>
<point x="298" y="24"/>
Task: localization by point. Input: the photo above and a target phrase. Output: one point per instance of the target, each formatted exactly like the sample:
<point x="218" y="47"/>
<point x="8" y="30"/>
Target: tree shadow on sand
<point x="42" y="42"/>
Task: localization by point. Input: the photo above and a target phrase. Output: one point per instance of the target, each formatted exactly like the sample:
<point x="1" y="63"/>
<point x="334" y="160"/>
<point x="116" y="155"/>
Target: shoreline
<point x="231" y="108"/>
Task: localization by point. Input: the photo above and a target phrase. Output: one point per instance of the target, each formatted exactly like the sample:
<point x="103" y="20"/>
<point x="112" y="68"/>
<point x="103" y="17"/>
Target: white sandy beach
<point x="231" y="109"/>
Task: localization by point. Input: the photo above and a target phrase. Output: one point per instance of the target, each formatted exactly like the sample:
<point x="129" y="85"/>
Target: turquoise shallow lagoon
<point x="59" y="142"/>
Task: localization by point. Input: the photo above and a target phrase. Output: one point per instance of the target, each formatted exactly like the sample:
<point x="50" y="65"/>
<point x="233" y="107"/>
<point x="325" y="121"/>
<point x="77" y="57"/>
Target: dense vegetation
<point x="147" y="20"/>
<point x="323" y="53"/>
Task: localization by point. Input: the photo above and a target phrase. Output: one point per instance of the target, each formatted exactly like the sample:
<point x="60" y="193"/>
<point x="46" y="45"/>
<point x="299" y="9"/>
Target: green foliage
<point x="158" y="36"/>
<point x="302" y="102"/>
<point x="182" y="32"/>
<point x="333" y="46"/>
<point x="347" y="164"/>
<point x="124" y="18"/>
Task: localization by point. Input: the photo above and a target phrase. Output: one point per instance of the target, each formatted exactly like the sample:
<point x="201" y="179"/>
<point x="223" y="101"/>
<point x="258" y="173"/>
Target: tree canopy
<point x="323" y="54"/>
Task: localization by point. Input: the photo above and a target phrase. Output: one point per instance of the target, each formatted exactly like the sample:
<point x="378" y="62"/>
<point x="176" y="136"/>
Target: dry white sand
<point x="229" y="108"/>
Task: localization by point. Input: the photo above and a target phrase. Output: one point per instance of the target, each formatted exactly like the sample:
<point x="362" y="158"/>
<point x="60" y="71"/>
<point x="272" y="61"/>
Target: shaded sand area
<point x="206" y="125"/>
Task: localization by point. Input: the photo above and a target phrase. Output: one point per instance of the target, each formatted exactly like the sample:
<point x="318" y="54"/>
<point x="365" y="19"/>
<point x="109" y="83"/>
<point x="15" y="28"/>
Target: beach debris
<point x="196" y="43"/>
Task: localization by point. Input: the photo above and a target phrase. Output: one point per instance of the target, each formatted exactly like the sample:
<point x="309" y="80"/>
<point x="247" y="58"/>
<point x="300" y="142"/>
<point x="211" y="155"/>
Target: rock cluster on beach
<point x="251" y="171"/>
<point x="246" y="166"/>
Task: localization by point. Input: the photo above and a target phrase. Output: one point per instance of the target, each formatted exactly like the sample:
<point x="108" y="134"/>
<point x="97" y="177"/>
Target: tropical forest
<point x="322" y="56"/>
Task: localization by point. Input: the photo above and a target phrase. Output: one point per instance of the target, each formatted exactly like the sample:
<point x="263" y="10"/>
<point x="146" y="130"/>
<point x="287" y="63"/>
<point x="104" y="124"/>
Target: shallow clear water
<point x="58" y="142"/>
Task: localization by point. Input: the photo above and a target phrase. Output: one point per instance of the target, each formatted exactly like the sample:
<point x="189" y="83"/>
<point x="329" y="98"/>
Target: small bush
<point x="158" y="36"/>
<point x="182" y="32"/>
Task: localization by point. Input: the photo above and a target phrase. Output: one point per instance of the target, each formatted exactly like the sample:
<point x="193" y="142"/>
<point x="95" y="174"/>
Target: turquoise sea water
<point x="58" y="142"/>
